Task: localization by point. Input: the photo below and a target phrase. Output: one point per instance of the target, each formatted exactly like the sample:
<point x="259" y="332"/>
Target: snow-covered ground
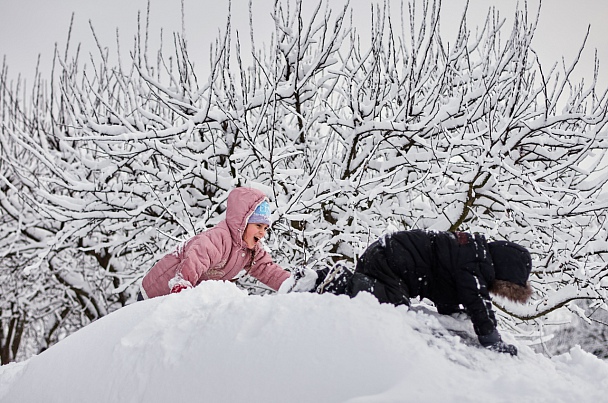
<point x="215" y="343"/>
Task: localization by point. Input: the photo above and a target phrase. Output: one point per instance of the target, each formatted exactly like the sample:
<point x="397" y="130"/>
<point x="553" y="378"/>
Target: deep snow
<point x="215" y="343"/>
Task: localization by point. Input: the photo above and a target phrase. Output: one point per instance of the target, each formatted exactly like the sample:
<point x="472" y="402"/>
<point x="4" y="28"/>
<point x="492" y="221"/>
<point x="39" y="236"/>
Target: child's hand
<point x="178" y="283"/>
<point x="502" y="347"/>
<point x="179" y="287"/>
<point x="301" y="280"/>
<point x="494" y="342"/>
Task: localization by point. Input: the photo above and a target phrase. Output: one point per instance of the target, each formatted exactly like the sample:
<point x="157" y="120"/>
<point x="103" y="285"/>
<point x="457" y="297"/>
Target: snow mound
<point x="215" y="343"/>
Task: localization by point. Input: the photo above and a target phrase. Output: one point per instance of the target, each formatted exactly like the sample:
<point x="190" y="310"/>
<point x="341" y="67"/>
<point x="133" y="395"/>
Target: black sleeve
<point x="472" y="287"/>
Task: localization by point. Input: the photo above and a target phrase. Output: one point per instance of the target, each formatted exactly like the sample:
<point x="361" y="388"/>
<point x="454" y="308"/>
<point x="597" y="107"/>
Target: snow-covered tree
<point x="110" y="165"/>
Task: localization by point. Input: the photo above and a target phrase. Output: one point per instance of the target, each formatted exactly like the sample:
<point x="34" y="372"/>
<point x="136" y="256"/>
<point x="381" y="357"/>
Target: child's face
<point x="253" y="234"/>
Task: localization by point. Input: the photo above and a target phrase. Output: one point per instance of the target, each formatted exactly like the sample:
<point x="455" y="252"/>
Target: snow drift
<point x="215" y="343"/>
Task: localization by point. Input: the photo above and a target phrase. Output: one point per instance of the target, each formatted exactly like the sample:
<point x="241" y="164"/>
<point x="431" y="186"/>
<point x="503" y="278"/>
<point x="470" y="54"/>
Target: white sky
<point x="32" y="27"/>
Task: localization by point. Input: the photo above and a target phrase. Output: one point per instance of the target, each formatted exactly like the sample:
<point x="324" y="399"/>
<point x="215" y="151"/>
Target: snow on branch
<point x="107" y="168"/>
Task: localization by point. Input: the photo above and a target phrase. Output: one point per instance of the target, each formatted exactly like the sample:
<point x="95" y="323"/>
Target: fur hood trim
<point x="512" y="291"/>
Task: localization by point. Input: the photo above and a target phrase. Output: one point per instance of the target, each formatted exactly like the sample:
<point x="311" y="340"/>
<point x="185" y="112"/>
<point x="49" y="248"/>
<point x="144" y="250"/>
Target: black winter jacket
<point x="448" y="268"/>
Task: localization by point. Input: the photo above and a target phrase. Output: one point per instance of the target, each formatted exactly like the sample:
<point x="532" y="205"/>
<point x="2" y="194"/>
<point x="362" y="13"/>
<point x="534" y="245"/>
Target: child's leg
<point x="334" y="280"/>
<point x="374" y="275"/>
<point x="361" y="282"/>
<point x="449" y="309"/>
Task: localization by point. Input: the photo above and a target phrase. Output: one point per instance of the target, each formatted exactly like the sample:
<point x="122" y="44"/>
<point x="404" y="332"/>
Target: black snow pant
<point x="384" y="294"/>
<point x="372" y="274"/>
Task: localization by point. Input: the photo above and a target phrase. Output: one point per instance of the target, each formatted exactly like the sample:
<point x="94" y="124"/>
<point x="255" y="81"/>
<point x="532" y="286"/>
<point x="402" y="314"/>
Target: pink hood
<point x="239" y="207"/>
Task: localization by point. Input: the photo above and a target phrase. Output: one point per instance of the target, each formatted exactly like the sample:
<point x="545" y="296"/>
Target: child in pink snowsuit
<point x="221" y="252"/>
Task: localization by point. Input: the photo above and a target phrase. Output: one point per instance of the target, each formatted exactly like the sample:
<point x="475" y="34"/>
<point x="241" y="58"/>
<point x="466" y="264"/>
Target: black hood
<point x="512" y="262"/>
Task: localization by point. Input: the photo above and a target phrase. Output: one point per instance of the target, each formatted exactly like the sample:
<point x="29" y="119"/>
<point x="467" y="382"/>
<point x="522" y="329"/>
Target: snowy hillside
<point x="215" y="343"/>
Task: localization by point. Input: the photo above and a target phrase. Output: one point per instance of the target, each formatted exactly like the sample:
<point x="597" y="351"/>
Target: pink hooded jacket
<point x="218" y="253"/>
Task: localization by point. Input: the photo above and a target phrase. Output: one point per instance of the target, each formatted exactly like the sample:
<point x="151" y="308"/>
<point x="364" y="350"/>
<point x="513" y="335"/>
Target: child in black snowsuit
<point x="452" y="269"/>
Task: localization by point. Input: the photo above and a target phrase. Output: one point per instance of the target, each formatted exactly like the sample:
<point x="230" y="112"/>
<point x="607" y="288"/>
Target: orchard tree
<point x="351" y="136"/>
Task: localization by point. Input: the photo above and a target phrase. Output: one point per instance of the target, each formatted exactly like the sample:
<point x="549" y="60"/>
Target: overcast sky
<point x="32" y="27"/>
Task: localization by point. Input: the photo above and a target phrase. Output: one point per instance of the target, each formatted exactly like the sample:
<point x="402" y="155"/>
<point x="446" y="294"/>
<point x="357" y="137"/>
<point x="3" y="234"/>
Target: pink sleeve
<point x="204" y="251"/>
<point x="267" y="271"/>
